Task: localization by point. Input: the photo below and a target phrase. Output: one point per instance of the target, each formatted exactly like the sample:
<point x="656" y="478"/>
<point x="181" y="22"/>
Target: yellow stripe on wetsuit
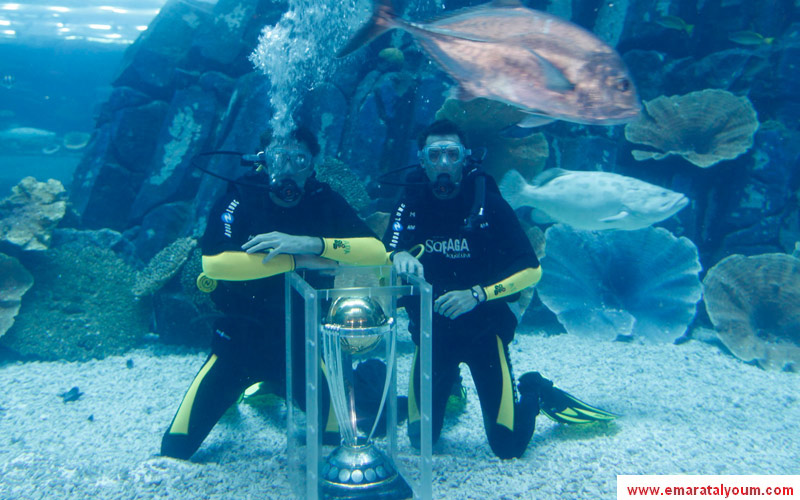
<point x="514" y="283"/>
<point x="181" y="423"/>
<point x="505" y="413"/>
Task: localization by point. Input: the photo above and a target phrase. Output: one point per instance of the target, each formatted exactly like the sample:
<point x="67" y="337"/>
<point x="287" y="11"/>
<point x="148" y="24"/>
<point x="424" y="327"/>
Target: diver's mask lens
<point x="451" y="153"/>
<point x="282" y="159"/>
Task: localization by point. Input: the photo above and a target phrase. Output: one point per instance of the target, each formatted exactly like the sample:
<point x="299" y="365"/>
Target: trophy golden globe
<point x="356" y="330"/>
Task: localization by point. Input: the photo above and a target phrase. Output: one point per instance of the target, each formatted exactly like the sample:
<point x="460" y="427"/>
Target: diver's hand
<point x="404" y="262"/>
<point x="454" y="303"/>
<point x="277" y="243"/>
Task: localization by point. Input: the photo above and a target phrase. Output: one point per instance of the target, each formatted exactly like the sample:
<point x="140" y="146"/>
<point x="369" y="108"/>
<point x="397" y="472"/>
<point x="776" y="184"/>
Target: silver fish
<point x="592" y="200"/>
<point x="542" y="64"/>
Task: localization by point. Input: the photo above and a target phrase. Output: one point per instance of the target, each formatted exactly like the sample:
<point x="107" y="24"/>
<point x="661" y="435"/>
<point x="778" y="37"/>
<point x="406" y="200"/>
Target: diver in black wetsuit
<point x="477" y="257"/>
<point x="301" y="223"/>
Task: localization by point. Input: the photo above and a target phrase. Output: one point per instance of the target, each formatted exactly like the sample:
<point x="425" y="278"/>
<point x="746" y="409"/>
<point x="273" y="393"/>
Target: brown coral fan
<point x="163" y="266"/>
<point x="754" y="304"/>
<point x="28" y="216"/>
<point x="483" y="122"/>
<point x="704" y="127"/>
<point x="15" y="280"/>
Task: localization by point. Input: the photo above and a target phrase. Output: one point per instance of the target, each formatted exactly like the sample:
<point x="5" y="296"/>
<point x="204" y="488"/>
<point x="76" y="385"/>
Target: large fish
<point x="29" y="140"/>
<point x="592" y="200"/>
<point x="542" y="64"/>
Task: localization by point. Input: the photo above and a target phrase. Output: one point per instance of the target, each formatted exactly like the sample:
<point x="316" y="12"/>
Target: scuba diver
<point x="477" y="257"/>
<point x="271" y="221"/>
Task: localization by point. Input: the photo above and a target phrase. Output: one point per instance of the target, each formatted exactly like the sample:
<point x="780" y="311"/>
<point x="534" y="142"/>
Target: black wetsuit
<point x="457" y="258"/>
<point x="248" y="345"/>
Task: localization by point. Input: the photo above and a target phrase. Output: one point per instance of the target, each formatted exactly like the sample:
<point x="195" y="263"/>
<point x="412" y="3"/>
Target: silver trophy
<point x="356" y="330"/>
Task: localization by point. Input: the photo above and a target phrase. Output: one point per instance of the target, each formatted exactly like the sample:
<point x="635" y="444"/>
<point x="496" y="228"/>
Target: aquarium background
<point x="116" y="102"/>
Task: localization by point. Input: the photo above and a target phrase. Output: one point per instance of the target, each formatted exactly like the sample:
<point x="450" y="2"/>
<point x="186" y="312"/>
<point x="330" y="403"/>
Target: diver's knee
<point x="505" y="444"/>
<point x="177" y="446"/>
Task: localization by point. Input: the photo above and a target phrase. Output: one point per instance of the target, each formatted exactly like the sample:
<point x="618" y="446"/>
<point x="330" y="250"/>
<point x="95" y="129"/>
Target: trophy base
<point x="362" y="472"/>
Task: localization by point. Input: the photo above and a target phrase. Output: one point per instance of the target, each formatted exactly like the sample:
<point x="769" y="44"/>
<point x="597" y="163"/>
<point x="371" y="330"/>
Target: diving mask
<point x="288" y="168"/>
<point x="452" y="153"/>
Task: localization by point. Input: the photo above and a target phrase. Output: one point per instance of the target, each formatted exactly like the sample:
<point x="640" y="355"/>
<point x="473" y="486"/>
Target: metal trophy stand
<point x="349" y="321"/>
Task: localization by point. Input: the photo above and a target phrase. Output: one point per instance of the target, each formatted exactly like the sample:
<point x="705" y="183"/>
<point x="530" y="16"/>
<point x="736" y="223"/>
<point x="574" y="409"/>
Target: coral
<point x="28" y="216"/>
<point x="15" y="280"/>
<point x="603" y="284"/>
<point x="163" y="266"/>
<point x="754" y="305"/>
<point x="392" y="59"/>
<point x="184" y="130"/>
<point x="483" y="122"/>
<point x="80" y="306"/>
<point x="704" y="127"/>
<point x="344" y="182"/>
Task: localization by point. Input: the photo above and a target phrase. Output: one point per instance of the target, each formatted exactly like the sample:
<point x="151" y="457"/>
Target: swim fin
<point x="561" y="406"/>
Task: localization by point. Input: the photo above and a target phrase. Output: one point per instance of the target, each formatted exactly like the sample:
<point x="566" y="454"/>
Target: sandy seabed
<point x="686" y="409"/>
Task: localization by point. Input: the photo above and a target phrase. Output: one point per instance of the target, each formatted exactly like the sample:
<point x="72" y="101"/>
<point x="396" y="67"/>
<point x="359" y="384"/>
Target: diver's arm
<point x="363" y="251"/>
<point x="511" y="285"/>
<point x="360" y="251"/>
<point x="242" y="266"/>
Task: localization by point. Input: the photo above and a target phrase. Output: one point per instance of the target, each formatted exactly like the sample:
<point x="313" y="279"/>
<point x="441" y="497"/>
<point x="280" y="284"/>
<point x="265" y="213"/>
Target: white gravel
<point x="686" y="409"/>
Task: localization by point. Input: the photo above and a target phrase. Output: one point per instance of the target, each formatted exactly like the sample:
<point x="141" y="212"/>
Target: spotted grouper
<point x="592" y="200"/>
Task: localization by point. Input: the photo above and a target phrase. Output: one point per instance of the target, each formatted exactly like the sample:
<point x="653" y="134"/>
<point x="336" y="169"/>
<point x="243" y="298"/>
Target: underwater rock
<point x="160" y="227"/>
<point x="483" y="122"/>
<point x="366" y="132"/>
<point x="245" y="119"/>
<point x="608" y="284"/>
<point x="134" y="136"/>
<point x="30" y="214"/>
<point x="15" y="280"/>
<point x="734" y="70"/>
<point x="71" y="395"/>
<point x="647" y="69"/>
<point x="704" y="127"/>
<point x="149" y="64"/>
<point x="80" y="307"/>
<point x="184" y="131"/>
<point x="162" y="267"/>
<point x="224" y="42"/>
<point x="324" y="111"/>
<point x="754" y="305"/>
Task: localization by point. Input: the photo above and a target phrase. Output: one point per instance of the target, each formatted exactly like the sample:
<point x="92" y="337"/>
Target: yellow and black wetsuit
<point x="248" y="344"/>
<point x="498" y="257"/>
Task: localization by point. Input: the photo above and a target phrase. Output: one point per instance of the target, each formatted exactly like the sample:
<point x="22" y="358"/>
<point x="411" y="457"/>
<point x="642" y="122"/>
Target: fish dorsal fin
<point x="548" y="175"/>
<point x="554" y="78"/>
<point x="499" y="4"/>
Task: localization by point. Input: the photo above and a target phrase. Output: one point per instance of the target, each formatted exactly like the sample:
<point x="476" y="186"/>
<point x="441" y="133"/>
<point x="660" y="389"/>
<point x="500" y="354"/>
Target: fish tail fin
<point x="382" y="20"/>
<point x="512" y="187"/>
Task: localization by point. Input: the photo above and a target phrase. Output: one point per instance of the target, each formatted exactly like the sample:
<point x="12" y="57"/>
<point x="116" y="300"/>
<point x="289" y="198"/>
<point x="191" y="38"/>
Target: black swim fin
<point x="561" y="406"/>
